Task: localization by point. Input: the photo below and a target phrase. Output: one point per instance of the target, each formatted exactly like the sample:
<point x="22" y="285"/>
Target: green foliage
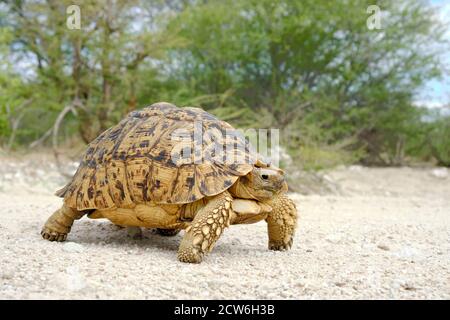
<point x="340" y="93"/>
<point x="439" y="139"/>
<point x="316" y="69"/>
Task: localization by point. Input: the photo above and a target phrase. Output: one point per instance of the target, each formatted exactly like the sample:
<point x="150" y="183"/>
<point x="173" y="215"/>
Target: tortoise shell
<point x="134" y="162"/>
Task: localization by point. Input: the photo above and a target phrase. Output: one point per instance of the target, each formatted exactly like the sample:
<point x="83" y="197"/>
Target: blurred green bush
<point x="339" y="92"/>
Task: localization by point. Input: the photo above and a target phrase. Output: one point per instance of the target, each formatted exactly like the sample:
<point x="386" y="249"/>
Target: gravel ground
<point x="384" y="235"/>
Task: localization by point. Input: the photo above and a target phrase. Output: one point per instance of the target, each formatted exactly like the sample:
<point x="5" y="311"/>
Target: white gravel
<point x="386" y="236"/>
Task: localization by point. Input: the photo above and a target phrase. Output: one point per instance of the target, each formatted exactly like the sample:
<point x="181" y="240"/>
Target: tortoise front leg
<point x="58" y="225"/>
<point x="206" y="228"/>
<point x="281" y="222"/>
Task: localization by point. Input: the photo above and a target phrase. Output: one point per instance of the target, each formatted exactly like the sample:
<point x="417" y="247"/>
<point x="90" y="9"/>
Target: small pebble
<point x="383" y="247"/>
<point x="6" y="275"/>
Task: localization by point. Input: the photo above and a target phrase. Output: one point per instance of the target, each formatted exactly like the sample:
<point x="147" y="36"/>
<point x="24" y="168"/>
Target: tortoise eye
<point x="265" y="177"/>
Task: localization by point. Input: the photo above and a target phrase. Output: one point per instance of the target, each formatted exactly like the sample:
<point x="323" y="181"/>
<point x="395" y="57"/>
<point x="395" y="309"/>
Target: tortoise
<point x="140" y="173"/>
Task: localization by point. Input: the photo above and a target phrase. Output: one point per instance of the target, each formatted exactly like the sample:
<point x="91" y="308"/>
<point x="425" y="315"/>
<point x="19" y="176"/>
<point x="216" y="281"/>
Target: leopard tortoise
<point x="131" y="175"/>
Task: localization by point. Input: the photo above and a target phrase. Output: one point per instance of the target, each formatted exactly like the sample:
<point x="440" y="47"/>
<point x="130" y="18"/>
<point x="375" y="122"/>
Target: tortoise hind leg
<point x="135" y="233"/>
<point x="59" y="223"/>
<point x="167" y="232"/>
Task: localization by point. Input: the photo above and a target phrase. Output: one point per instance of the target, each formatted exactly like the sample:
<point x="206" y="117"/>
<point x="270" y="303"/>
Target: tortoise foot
<point x="58" y="225"/>
<point x="280" y="245"/>
<point x="190" y="255"/>
<point x="52" y="235"/>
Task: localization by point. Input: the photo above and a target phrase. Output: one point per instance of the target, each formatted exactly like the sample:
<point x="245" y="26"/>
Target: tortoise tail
<point x="62" y="192"/>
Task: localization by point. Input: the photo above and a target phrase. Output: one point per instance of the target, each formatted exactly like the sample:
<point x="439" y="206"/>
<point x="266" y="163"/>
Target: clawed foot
<point x="59" y="223"/>
<point x="190" y="255"/>
<point x="52" y="235"/>
<point x="280" y="245"/>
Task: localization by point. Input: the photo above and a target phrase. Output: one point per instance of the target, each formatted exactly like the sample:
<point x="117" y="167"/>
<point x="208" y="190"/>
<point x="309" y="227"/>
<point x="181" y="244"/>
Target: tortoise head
<point x="262" y="183"/>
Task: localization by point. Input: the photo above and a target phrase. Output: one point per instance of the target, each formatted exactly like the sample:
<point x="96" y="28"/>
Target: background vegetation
<point x="339" y="92"/>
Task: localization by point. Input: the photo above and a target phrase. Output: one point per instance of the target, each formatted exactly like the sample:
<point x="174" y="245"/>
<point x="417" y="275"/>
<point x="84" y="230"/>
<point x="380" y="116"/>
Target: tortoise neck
<point x="239" y="190"/>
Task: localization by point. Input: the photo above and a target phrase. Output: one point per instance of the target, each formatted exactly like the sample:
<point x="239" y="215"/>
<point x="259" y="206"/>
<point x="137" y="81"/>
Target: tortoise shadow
<point x="104" y="233"/>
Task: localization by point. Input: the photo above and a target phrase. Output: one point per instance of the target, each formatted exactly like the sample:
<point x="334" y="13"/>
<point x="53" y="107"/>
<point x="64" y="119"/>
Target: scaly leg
<point x="58" y="225"/>
<point x="206" y="228"/>
<point x="281" y="222"/>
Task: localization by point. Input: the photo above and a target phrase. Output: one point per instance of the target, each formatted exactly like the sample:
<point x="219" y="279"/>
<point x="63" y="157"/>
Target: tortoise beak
<point x="280" y="187"/>
<point x="275" y="179"/>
